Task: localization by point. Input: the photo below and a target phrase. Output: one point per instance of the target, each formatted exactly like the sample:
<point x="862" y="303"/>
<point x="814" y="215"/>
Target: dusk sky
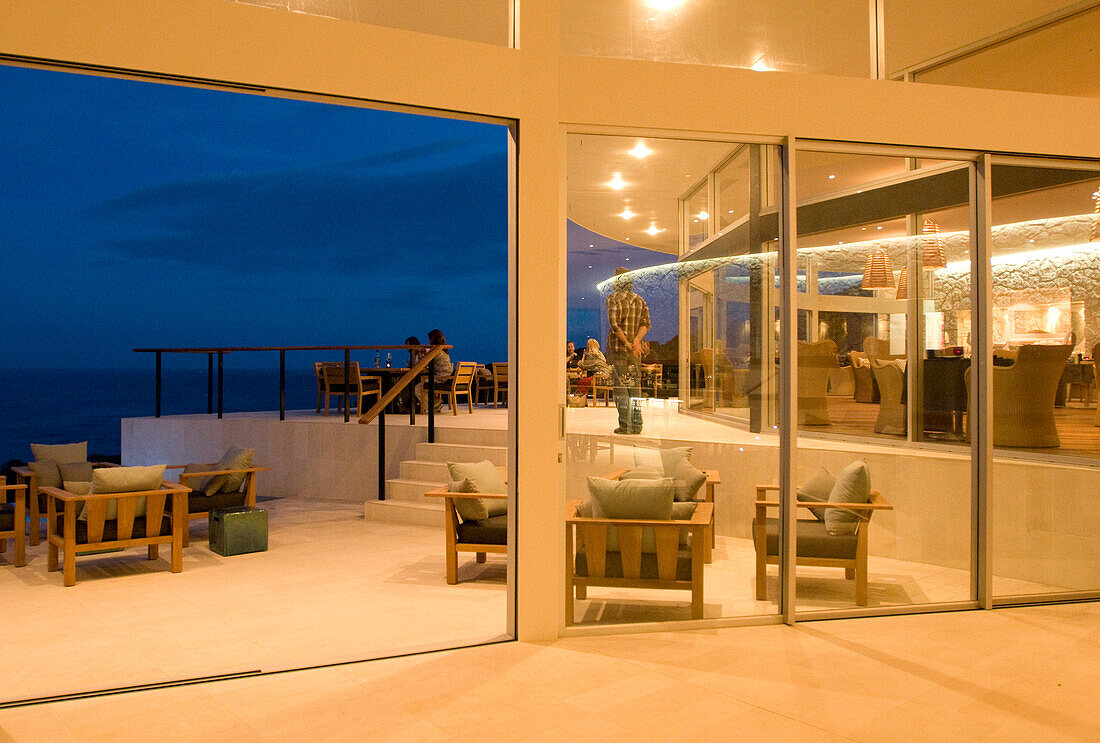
<point x="142" y="214"/>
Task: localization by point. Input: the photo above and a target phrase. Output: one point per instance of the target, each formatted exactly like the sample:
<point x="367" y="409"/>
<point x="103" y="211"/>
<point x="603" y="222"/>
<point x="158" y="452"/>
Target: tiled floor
<point x="1028" y="674"/>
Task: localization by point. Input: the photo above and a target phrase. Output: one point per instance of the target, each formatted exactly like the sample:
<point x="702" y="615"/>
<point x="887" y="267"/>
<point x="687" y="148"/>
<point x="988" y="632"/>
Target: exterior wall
<point x="542" y="91"/>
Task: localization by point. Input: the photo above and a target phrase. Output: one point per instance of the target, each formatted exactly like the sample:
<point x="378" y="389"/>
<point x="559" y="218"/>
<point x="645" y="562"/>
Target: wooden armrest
<point x="103" y="465"/>
<point x="65" y="495"/>
<point x="713" y="478"/>
<point x="224" y="472"/>
<point x="616" y="474"/>
<point x="876" y="504"/>
<point x="15" y="486"/>
<point x="24" y="470"/>
<point x="444" y="493"/>
<point x="701" y="517"/>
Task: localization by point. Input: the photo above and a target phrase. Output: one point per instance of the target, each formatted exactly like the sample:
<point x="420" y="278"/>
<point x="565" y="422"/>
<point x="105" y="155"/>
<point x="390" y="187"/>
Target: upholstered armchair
<point x="865" y="389"/>
<point x="891" y="383"/>
<point x="1024" y="394"/>
<point x="815" y="360"/>
<point x="475" y="512"/>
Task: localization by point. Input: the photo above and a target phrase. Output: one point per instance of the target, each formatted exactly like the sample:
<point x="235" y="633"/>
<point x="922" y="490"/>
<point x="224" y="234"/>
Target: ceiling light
<point x="703" y="215"/>
<point x="653" y="229"/>
<point x="640" y="150"/>
<point x="877" y="273"/>
<point x="590" y="266"/>
<point x="617" y="182"/>
<point x="626" y="259"/>
<point x="832" y="177"/>
<point x="761" y="66"/>
<point x="879" y="227"/>
<point x="626" y="213"/>
<point x="664" y="4"/>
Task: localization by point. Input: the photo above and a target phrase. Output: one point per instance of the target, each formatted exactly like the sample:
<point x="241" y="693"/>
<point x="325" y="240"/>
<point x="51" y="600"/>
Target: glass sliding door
<point x="882" y="297"/>
<point x="1043" y="503"/>
<point x="704" y="291"/>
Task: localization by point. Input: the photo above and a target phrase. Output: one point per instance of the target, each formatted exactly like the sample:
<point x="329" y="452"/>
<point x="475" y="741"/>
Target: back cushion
<point x="235" y="458"/>
<point x="125" y="480"/>
<point x="817" y="489"/>
<point x="631" y="499"/>
<point x="77" y="452"/>
<point x="853" y="485"/>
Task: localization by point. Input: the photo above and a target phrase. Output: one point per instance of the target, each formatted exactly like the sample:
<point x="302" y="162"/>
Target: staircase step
<point x="477" y="436"/>
<point x="439" y="452"/>
<point x="415" y="469"/>
<point x="409" y="491"/>
<point x="404" y="512"/>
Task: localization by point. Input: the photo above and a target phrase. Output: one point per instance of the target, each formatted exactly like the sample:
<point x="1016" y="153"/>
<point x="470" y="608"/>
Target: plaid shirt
<point x="628" y="312"/>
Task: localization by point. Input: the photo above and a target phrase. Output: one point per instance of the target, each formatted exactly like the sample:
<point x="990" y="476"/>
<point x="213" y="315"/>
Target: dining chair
<point x="500" y="382"/>
<point x="358" y="384"/>
<point x="462" y="383"/>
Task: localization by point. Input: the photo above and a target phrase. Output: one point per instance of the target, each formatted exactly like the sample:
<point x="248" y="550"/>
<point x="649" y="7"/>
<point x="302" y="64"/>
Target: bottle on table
<point x="377" y="359"/>
<point x="389" y="360"/>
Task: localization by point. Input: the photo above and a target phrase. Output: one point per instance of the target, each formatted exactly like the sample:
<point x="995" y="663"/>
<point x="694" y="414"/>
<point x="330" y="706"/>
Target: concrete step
<point x="476" y="436"/>
<point x="439" y="452"/>
<point x="404" y="512"/>
<point x="415" y="469"/>
<point x="410" y="491"/>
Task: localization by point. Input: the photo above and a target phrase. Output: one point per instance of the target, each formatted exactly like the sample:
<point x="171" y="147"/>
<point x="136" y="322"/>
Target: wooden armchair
<point x="500" y="382"/>
<point x="199" y="505"/>
<point x="357" y="386"/>
<point x="13" y="521"/>
<point x="814" y="546"/>
<point x="671" y="566"/>
<point x="68" y="533"/>
<point x="479" y="537"/>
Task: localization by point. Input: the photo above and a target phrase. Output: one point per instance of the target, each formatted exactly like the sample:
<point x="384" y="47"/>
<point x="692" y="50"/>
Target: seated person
<point x="441" y="365"/>
<point x="415" y="354"/>
<point x="594" y="367"/>
<point x="572" y="358"/>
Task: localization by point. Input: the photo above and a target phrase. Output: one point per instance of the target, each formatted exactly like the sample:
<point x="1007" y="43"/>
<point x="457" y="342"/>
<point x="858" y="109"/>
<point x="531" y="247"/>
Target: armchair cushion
<point x="477" y="477"/>
<point x="674" y="463"/>
<point x="47" y="473"/>
<point x="235" y="458"/>
<point x="77" y="452"/>
<point x="78" y="487"/>
<point x="630" y="499"/>
<point x="110" y="528"/>
<point x="613" y="565"/>
<point x="75" y="472"/>
<point x="492" y="530"/>
<point x="648" y="460"/>
<point x="853" y="485"/>
<point x="817" y="489"/>
<point x="125" y="480"/>
<point x="813" y="540"/>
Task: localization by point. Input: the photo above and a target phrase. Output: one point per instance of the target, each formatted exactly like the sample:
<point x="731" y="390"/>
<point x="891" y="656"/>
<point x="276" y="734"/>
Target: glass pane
<point x="1046" y="344"/>
<point x="1047" y="60"/>
<point x="711" y="323"/>
<point x="487" y="21"/>
<point x="826" y="37"/>
<point x="697" y="217"/>
<point x="877" y="330"/>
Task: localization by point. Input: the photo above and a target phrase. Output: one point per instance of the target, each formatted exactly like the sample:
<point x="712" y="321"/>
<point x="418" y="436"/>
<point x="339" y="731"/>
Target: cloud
<point x="431" y="210"/>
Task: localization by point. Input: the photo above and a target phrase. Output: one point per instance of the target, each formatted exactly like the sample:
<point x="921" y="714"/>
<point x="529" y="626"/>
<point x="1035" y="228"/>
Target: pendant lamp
<point x="877" y="274"/>
<point x="933" y="250"/>
<point x="1094" y="231"/>
<point x="903" y="283"/>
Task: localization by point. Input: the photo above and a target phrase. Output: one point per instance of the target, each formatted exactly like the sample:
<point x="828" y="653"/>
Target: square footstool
<point x="238" y="531"/>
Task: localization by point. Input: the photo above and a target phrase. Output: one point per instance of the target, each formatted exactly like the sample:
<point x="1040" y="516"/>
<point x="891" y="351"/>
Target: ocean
<point x="55" y="406"/>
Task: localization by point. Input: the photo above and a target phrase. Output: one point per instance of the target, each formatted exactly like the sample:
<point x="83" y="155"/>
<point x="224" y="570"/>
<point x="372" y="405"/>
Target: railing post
<point x="282" y="384"/>
<point x="347" y="383"/>
<point x="158" y="385"/>
<point x="221" y="382"/>
<point x="210" y="383"/>
<point x="431" y="401"/>
<point x="382" y="453"/>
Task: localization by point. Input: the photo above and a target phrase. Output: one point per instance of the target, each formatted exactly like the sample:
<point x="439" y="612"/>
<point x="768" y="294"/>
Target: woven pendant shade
<point x="1094" y="231"/>
<point x="877" y="274"/>
<point x="933" y="250"/>
<point x="903" y="283"/>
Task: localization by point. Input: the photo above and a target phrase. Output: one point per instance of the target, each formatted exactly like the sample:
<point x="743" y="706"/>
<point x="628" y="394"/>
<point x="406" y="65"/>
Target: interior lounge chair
<point x="662" y="548"/>
<point x="462" y="383"/>
<point x="229" y="483"/>
<point x="500" y="382"/>
<point x="815" y="545"/>
<point x="879" y="348"/>
<point x="892" y="416"/>
<point x="474" y="521"/>
<point x="815" y="360"/>
<point x="1024" y="395"/>
<point x="865" y="389"/>
<point x="358" y="384"/>
<point x="13" y="517"/>
<point x="127" y="507"/>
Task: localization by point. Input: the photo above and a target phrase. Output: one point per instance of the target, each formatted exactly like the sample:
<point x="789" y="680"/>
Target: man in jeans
<point x="628" y="315"/>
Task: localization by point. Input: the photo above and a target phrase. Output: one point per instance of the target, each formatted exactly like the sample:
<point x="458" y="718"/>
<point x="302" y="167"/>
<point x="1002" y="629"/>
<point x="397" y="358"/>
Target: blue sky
<point x="143" y="214"/>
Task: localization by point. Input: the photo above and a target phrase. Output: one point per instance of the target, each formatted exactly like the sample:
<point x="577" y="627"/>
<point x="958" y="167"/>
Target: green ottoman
<point x="237" y="531"/>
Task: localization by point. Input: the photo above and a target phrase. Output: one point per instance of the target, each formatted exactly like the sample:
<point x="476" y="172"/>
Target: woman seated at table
<point x="442" y="367"/>
<point x="595" y="369"/>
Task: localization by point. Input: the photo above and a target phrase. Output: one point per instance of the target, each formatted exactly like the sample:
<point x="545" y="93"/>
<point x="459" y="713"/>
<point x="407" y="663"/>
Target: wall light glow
<point x="627" y="214"/>
<point x="640" y="150"/>
<point x="617" y="182"/>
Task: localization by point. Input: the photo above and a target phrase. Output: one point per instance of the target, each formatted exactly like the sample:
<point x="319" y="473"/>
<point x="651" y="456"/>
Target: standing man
<point x="628" y="315"/>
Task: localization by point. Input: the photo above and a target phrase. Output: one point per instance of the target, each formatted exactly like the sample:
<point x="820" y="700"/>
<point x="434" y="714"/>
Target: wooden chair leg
<point x="582" y="592"/>
<point x="861" y="585"/>
<point x="177" y="552"/>
<point x="187" y="533"/>
<point x="51" y="558"/>
<point x="480" y="556"/>
<point x="761" y="564"/>
<point x="20" y="548"/>
<point x="35" y="527"/>
<point x="452" y="567"/>
<point x="68" y="569"/>
<point x="849" y="573"/>
<point x="154" y="551"/>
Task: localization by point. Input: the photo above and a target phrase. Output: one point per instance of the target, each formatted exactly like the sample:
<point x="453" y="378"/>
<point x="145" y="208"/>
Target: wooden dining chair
<point x="462" y="383"/>
<point x="319" y="377"/>
<point x="500" y="382"/>
<point x="358" y="384"/>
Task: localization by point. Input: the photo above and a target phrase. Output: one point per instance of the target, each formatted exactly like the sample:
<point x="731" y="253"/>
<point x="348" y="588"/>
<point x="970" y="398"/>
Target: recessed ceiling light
<point x="628" y="239"/>
<point x="590" y="266"/>
<point x="730" y="211"/>
<point x="591" y="245"/>
<point x="664" y="4"/>
<point x="863" y="228"/>
<point x="617" y="182"/>
<point x="859" y="190"/>
<point x="840" y="242"/>
<point x="626" y="213"/>
<point x="640" y="150"/>
<point x="832" y="177"/>
<point x="653" y="229"/>
<point x="626" y="259"/>
<point x="879" y="227"/>
<point x="703" y="215"/>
